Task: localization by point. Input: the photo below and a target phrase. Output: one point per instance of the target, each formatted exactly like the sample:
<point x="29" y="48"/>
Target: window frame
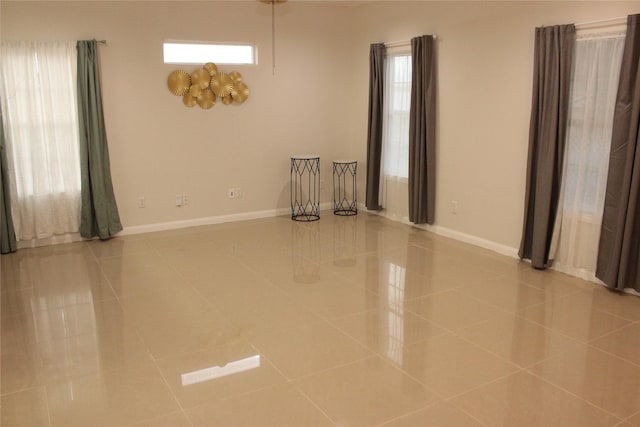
<point x="390" y="110"/>
<point x="209" y="57"/>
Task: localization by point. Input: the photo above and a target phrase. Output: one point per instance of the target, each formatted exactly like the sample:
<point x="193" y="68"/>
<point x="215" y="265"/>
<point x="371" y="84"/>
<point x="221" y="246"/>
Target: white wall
<point x="485" y="62"/>
<point x="158" y="147"/>
<point x="316" y="102"/>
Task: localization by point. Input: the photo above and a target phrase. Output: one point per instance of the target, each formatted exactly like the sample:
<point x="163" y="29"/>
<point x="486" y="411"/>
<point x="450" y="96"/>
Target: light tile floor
<point x="348" y="321"/>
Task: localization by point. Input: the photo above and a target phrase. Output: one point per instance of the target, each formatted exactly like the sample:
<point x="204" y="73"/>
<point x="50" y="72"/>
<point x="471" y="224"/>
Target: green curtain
<point x="99" y="214"/>
<point x="7" y="233"/>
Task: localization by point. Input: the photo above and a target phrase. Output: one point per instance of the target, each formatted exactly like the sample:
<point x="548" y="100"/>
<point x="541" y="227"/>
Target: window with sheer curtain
<point x="395" y="131"/>
<point x="595" y="73"/>
<point x="39" y="103"/>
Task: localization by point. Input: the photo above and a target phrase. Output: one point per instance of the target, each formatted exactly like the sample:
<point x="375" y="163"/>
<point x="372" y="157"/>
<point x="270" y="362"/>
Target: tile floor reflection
<point x="347" y="321"/>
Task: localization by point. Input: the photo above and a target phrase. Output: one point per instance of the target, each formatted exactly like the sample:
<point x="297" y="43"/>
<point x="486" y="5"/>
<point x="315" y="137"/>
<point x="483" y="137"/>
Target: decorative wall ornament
<point x="205" y="84"/>
<point x="179" y="82"/>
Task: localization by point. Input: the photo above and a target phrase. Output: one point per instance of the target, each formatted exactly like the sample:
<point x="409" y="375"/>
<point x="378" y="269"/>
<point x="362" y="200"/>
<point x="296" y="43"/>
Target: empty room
<point x="319" y="213"/>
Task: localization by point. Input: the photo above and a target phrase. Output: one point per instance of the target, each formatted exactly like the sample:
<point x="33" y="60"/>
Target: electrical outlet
<point x="238" y="192"/>
<point x="185" y="199"/>
<point x="141" y="202"/>
<point x="231" y="193"/>
<point x="179" y="200"/>
<point x="454" y="207"/>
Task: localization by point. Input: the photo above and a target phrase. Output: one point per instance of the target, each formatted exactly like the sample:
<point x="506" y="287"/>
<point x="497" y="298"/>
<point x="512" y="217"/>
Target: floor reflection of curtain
<point x="344" y="242"/>
<point x="83" y="338"/>
<point x="395" y="197"/>
<point x="372" y="267"/>
<point x="372" y="264"/>
<point x="396" y="276"/>
<point x="306" y="254"/>
<point x="415" y="264"/>
<point x="389" y="272"/>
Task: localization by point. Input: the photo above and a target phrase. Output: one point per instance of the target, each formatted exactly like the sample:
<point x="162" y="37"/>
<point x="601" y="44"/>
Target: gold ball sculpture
<point x="189" y="100"/>
<point x="206" y="84"/>
<point x="211" y="68"/>
<point x="201" y="78"/>
<point x="240" y="92"/>
<point x="235" y="76"/>
<point x="179" y="82"/>
<point x="207" y="99"/>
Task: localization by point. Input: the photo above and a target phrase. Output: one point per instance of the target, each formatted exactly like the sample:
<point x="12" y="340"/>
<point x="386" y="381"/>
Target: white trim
<point x="405" y="42"/>
<point x="621" y="20"/>
<point x="598" y="36"/>
<point x="219" y="219"/>
<point x="488" y="244"/>
<point x="211" y="220"/>
<point x="475" y="240"/>
<point x="453" y="234"/>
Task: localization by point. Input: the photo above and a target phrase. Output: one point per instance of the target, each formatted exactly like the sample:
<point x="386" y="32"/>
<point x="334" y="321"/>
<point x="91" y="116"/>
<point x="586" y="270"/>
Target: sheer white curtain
<point x="39" y="103"/>
<point x="596" y="69"/>
<point x="394" y="190"/>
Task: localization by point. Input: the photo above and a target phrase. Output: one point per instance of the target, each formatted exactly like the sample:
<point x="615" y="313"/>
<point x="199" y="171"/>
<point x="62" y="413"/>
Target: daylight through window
<point x="200" y="53"/>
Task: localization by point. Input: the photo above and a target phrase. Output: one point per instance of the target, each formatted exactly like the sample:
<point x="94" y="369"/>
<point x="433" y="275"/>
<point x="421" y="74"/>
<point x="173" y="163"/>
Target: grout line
<point x="495" y="380"/>
<point x="406" y="414"/>
<point x="135" y="423"/>
<point x="325" y="233"/>
<point x="557" y="386"/>
<point x="637" y="414"/>
<point x="166" y="383"/>
<point x="331" y="368"/>
<point x="315" y="405"/>
<point x="613" y="355"/>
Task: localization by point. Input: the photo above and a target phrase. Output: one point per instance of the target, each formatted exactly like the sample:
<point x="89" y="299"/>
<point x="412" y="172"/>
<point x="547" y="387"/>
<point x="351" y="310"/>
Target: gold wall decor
<point x="179" y="82"/>
<point x="206" y="84"/>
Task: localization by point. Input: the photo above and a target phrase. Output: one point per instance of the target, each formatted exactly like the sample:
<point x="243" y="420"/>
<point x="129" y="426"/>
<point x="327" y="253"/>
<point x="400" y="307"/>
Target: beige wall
<point x="316" y="102"/>
<point x="485" y="60"/>
<point x="158" y="147"/>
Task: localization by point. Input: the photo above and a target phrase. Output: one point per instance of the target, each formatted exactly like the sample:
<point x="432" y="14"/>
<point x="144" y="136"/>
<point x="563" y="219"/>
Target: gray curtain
<point x="7" y="233"/>
<point x="422" y="132"/>
<point x="619" y="249"/>
<point x="547" y="133"/>
<point x="99" y="214"/>
<point x="374" y="134"/>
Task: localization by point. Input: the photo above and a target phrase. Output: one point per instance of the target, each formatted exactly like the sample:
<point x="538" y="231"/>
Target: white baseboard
<point x="453" y="234"/>
<point x="211" y="220"/>
<point x="475" y="240"/>
<point x="244" y="216"/>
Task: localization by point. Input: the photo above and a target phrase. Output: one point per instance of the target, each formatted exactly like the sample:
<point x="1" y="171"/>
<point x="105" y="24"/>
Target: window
<point x="200" y="53"/>
<point x="41" y="130"/>
<point x="594" y="84"/>
<point x="396" y="115"/>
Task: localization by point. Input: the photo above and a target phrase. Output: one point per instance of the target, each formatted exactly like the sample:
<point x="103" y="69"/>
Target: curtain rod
<point x="101" y="41"/>
<point x="602" y="21"/>
<point x="405" y="42"/>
